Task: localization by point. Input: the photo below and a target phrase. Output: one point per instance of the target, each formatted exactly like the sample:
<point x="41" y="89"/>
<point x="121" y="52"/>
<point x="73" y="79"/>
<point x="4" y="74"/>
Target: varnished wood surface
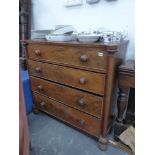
<point x="88" y="67"/>
<point x="128" y="66"/>
<point x="106" y="46"/>
<point x="90" y="81"/>
<point x="113" y="62"/>
<point x="87" y="58"/>
<point x="126" y="81"/>
<point x="74" y="117"/>
<point x="83" y="101"/>
<point x="127" y="74"/>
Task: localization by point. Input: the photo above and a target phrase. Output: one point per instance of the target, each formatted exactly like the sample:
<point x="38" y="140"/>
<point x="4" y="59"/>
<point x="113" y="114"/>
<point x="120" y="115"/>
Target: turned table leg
<point x="122" y="103"/>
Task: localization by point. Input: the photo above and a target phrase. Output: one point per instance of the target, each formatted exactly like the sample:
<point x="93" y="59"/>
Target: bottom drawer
<point x="74" y="117"/>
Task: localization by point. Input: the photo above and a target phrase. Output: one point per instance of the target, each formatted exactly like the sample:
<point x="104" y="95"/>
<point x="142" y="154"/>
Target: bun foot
<point x="103" y="143"/>
<point x="35" y="110"/>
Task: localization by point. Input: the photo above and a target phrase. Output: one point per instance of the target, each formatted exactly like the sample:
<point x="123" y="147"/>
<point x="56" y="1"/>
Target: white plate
<point x="59" y="37"/>
<point x="63" y="30"/>
<point x="88" y="38"/>
<point x="92" y="1"/>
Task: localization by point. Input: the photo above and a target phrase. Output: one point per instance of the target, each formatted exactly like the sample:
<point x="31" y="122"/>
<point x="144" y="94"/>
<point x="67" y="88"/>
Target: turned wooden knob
<point x="42" y="103"/>
<point x="40" y="87"/>
<point x="84" y="58"/>
<point x="38" y="69"/>
<point x="81" y="122"/>
<point x="37" y="52"/>
<point x="82" y="80"/>
<point x="82" y="102"/>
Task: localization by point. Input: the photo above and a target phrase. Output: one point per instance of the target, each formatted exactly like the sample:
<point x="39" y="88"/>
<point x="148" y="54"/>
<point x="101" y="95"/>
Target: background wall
<point x="114" y="15"/>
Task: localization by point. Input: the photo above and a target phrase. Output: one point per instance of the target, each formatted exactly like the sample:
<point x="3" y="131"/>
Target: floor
<point x="51" y="137"/>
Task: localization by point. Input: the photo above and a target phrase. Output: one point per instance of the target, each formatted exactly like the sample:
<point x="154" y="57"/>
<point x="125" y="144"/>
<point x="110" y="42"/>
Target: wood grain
<point x="95" y="58"/>
<point x="74" y="117"/>
<point x="92" y="82"/>
<point x="86" y="69"/>
<point x="83" y="101"/>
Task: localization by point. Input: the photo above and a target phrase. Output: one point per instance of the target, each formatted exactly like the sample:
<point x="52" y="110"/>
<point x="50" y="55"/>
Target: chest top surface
<point x="111" y="47"/>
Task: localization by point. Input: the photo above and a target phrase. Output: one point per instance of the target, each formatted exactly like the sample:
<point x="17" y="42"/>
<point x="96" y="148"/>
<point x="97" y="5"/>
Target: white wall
<point x="114" y="15"/>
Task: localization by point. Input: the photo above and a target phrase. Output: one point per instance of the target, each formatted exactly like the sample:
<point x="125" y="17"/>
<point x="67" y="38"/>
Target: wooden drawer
<point x="85" y="57"/>
<point x="90" y="81"/>
<point x="74" y="117"/>
<point x="86" y="102"/>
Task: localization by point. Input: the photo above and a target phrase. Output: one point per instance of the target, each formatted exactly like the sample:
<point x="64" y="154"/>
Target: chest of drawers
<point x="74" y="82"/>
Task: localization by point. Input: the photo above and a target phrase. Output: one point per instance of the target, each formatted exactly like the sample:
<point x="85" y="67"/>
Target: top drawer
<point x="85" y="57"/>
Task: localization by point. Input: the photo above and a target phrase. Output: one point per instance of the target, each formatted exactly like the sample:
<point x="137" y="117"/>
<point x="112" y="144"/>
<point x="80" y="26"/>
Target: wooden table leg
<point x="122" y="103"/>
<point x="126" y="81"/>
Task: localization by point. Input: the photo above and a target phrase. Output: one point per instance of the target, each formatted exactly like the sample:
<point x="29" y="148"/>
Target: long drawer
<point x="89" y="81"/>
<point x="83" y="101"/>
<point x="74" y="117"/>
<point x="86" y="57"/>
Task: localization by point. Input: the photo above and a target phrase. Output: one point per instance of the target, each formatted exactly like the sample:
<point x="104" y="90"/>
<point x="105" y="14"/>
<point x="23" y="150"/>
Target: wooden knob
<point x="38" y="69"/>
<point x="42" y="103"/>
<point x="82" y="80"/>
<point x="84" y="58"/>
<point x="38" y="52"/>
<point x="40" y="87"/>
<point x="81" y="122"/>
<point x="82" y="102"/>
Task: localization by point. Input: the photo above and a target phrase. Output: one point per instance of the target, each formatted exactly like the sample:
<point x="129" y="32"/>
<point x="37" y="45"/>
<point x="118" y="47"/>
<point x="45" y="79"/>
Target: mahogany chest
<point x="74" y="82"/>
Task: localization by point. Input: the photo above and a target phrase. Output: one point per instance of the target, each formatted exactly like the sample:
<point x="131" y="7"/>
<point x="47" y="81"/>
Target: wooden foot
<point x="122" y="103"/>
<point x="103" y="143"/>
<point x="35" y="110"/>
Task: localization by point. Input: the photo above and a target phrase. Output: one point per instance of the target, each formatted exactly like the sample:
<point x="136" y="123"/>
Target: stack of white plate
<point x="62" y="33"/>
<point x="63" y="29"/>
<point x="39" y="34"/>
<point x="60" y="37"/>
<point x="88" y="38"/>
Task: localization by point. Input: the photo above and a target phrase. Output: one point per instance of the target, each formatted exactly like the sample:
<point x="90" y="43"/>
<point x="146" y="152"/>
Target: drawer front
<point x="86" y="57"/>
<point x="86" y="102"/>
<point x="74" y="117"/>
<point x="90" y="81"/>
